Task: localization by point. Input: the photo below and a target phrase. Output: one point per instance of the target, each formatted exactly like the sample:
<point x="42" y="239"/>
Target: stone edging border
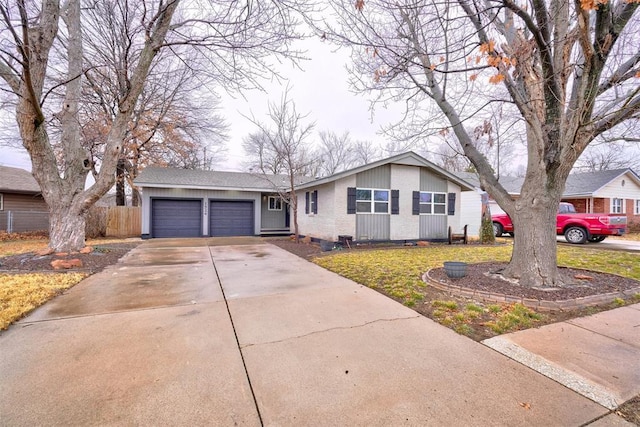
<point x="544" y="305"/>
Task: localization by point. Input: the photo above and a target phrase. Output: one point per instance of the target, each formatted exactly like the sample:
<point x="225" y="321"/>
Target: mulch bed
<point x="578" y="283"/>
<point x="101" y="257"/>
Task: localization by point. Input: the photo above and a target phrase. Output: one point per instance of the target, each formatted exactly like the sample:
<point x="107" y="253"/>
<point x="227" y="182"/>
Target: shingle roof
<point x="185" y="178"/>
<point x="512" y="184"/>
<point x="582" y="184"/>
<point x="17" y="181"/>
<point x="590" y="182"/>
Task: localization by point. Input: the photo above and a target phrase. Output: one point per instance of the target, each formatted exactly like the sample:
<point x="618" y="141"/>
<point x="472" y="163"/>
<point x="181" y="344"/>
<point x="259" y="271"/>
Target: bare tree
<point x="335" y="152"/>
<point x="42" y="52"/>
<point x="286" y="135"/>
<point x="174" y="122"/>
<point x="565" y="72"/>
<point x="261" y="155"/>
<point x="613" y="150"/>
<point x="365" y="152"/>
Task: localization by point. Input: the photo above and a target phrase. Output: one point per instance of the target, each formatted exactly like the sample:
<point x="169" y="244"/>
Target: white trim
<point x="277" y="201"/>
<point x="1" y="202"/>
<point x="433" y="204"/>
<point x="636" y="210"/>
<point x="373" y="202"/>
<point x="615" y="208"/>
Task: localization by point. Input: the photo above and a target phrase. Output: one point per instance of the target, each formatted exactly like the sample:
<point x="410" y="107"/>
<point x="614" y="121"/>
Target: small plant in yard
<point x="449" y="305"/>
<point x="619" y="302"/>
<point x="512" y="318"/>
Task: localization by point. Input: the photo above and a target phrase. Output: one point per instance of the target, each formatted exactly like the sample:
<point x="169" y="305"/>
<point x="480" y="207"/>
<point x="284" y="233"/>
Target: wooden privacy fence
<point x="123" y="221"/>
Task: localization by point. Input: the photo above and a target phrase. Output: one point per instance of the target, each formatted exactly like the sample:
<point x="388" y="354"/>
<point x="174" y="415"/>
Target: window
<point x="372" y="201"/>
<point x="311" y="202"/>
<point x="275" y="203"/>
<point x="433" y="203"/>
<point x="636" y="210"/>
<point x="616" y="205"/>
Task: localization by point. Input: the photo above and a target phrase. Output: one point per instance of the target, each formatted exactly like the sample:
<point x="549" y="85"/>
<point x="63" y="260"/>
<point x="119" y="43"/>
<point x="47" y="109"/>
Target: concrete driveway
<point x="184" y="333"/>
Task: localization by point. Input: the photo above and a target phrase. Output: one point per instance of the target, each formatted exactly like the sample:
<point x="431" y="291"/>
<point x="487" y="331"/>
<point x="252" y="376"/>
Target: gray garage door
<point x="176" y="218"/>
<point x="231" y="218"/>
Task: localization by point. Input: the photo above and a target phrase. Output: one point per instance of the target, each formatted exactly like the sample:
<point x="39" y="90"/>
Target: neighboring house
<point x="402" y="198"/>
<point x="22" y="207"/>
<point x="194" y="203"/>
<point x="607" y="191"/>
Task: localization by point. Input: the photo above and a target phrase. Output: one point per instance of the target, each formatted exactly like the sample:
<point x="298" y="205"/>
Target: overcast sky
<point x="320" y="89"/>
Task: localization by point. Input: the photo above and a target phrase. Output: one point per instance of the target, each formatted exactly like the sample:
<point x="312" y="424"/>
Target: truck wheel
<point x="497" y="229"/>
<point x="597" y="239"/>
<point x="576" y="235"/>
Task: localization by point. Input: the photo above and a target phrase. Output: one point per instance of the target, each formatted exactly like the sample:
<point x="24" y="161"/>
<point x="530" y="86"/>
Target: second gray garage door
<point x="231" y="218"/>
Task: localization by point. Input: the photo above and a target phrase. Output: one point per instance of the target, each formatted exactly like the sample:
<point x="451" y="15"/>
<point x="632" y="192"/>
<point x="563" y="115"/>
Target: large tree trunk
<point x="534" y="257"/>
<point x="66" y="229"/>
<point x="533" y="260"/>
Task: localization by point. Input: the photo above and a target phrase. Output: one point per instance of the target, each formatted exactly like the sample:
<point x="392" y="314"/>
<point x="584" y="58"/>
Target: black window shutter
<point x="416" y="203"/>
<point x="395" y="202"/>
<point x="306" y="204"/>
<point x="451" y="204"/>
<point x="351" y="200"/>
<point x="314" y="195"/>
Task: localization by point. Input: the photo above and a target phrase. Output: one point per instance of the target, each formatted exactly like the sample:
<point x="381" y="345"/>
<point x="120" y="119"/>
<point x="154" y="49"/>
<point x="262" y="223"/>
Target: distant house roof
<point x="198" y="179"/>
<point x="17" y="180"/>
<point x="409" y="158"/>
<point x="578" y="184"/>
<point x="588" y="183"/>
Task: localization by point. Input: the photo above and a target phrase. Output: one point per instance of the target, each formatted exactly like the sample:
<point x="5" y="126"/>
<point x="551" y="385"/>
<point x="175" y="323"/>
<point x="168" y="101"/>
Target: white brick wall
<point x="344" y="224"/>
<point x="407" y="180"/>
<point x="318" y="225"/>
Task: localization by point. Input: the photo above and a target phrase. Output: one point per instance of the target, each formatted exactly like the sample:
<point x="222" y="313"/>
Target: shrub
<point x="633" y="226"/>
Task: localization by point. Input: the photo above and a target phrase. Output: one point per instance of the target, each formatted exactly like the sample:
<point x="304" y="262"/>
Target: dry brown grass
<point x="22" y="246"/>
<point x="21" y="293"/>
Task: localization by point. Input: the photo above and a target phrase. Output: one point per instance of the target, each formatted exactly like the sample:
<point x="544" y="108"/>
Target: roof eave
<point x="209" y="187"/>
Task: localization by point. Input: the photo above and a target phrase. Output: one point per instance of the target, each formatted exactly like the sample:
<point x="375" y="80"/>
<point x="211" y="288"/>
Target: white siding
<point x="615" y="189"/>
<point x="471" y="211"/>
<point x="204" y="195"/>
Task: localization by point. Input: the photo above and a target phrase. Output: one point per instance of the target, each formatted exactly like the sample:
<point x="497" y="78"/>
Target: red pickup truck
<point x="576" y="227"/>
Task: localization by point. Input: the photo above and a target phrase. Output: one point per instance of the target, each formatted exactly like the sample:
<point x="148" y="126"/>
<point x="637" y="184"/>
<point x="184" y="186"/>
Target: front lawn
<point x="398" y="274"/>
<point x="21" y="293"/>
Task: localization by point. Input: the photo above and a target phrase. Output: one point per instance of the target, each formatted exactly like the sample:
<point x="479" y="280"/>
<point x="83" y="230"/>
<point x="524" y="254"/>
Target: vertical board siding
<point x="432" y="182"/>
<point x="433" y="227"/>
<point x="379" y="177"/>
<point x="373" y="227"/>
<point x="124" y="221"/>
<point x="273" y="219"/>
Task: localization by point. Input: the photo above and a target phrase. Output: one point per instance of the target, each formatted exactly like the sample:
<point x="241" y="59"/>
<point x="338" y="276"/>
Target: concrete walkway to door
<point x="183" y="332"/>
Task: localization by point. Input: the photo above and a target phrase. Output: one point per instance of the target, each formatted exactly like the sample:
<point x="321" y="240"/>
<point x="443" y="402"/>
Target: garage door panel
<point x="176" y="218"/>
<point x="231" y="218"/>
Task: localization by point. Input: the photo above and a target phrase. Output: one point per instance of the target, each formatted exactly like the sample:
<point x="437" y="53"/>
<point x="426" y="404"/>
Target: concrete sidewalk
<point x="598" y="356"/>
<point x="251" y="335"/>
